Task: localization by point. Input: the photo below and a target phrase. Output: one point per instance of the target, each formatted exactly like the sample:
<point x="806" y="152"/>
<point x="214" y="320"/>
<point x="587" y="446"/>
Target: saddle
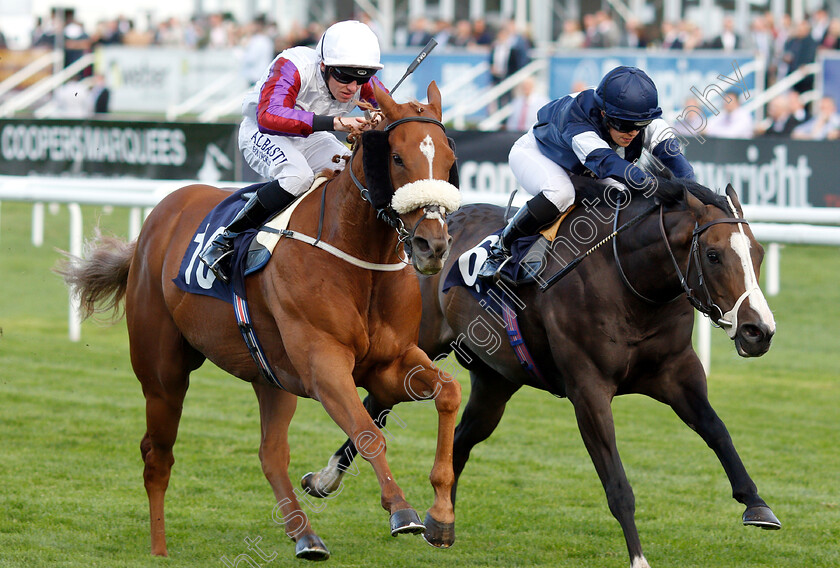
<point x="252" y="249"/>
<point x="533" y="261"/>
<point x="528" y="258"/>
<point x="260" y="249"/>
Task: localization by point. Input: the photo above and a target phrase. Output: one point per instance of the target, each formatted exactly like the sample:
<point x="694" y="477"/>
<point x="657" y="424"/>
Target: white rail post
<point x="773" y="280"/>
<point x="75" y="322"/>
<point x="38" y="224"/>
<point x="134" y="223"/>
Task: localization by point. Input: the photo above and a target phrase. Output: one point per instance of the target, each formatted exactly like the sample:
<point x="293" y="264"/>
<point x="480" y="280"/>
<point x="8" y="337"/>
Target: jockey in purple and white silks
<point x="287" y="118"/>
<point x="599" y="132"/>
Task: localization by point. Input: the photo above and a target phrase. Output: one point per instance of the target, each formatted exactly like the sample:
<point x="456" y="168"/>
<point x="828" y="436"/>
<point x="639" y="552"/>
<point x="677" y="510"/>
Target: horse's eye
<point x="397" y="160"/>
<point x="713" y="256"/>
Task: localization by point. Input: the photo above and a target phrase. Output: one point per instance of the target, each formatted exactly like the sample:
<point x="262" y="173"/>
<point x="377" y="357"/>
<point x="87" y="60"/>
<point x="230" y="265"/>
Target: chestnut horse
<point x="328" y="326"/>
<point x="619" y="323"/>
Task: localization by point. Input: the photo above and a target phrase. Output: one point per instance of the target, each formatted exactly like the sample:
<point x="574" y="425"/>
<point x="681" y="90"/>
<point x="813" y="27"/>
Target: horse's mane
<point x="669" y="190"/>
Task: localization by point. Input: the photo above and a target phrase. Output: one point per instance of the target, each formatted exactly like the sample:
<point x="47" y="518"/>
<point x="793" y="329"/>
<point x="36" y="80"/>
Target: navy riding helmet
<point x="628" y="98"/>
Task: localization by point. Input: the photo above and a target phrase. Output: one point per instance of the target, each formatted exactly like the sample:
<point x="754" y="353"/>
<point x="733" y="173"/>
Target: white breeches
<point x="536" y="173"/>
<point x="291" y="160"/>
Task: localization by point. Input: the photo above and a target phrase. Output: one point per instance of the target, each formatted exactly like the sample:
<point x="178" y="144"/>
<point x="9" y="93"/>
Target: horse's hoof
<point x="311" y="547"/>
<point x="439" y="535"/>
<point x="761" y="516"/>
<point x="311" y="486"/>
<point x="406" y="521"/>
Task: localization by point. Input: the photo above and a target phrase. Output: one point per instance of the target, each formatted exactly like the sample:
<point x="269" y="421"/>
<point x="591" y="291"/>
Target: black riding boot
<point x="531" y="217"/>
<point x="266" y="202"/>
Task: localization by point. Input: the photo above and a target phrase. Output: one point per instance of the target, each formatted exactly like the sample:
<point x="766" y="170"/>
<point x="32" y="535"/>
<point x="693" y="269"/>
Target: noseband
<point x="387" y="212"/>
<point x="707" y="307"/>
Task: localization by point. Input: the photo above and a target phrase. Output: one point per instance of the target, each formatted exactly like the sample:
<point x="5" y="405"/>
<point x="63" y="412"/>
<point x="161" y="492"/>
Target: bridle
<point x="707" y="307"/>
<point x="387" y="213"/>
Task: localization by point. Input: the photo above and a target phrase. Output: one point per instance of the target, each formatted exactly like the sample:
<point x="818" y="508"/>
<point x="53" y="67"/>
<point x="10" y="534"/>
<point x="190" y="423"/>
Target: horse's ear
<point x="695" y="205"/>
<point x="433" y="96"/>
<point x="733" y="196"/>
<point x="385" y="102"/>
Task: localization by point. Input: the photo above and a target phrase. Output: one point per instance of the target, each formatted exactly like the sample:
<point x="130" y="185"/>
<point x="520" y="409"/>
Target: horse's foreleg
<point x="276" y="410"/>
<point x="422" y="380"/>
<point x="595" y="421"/>
<point x="329" y="376"/>
<point x="684" y="390"/>
<point x="325" y="482"/>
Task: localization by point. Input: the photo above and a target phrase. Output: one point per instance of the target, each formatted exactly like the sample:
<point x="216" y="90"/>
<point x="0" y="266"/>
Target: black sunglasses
<point x="345" y="78"/>
<point x="625" y="126"/>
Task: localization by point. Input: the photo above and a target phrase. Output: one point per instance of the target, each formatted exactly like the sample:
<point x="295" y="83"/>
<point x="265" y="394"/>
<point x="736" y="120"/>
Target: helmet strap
<point x="325" y="73"/>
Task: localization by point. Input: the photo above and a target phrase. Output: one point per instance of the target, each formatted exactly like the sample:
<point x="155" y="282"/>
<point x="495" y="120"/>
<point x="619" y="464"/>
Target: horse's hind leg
<point x="276" y="410"/>
<point x="683" y="388"/>
<point x="162" y="361"/>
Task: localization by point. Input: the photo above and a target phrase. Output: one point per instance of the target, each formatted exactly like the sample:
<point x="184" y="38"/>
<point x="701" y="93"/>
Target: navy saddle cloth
<point x="196" y="278"/>
<point x="527" y="260"/>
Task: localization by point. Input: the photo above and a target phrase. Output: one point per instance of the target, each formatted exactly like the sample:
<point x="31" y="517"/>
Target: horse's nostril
<point x="440" y="249"/>
<point x="421" y="244"/>
<point x="752" y="332"/>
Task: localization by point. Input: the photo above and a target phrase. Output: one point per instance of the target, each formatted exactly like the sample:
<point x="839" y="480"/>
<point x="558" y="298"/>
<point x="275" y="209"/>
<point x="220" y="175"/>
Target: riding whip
<point x="417" y="61"/>
<point x="573" y="264"/>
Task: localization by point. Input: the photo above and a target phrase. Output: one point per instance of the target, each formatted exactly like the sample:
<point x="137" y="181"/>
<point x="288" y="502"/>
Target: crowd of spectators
<point x="782" y="44"/>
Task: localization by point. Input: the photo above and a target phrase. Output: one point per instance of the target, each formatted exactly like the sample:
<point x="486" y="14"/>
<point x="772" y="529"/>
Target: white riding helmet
<point x="349" y="44"/>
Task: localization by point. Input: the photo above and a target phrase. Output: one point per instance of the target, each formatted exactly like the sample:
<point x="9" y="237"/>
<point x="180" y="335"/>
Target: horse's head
<point x="726" y="258"/>
<point x="410" y="172"/>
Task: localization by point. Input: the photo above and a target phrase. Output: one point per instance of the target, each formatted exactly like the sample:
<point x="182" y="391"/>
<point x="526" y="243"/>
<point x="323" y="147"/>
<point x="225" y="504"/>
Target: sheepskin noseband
<point x="425" y="192"/>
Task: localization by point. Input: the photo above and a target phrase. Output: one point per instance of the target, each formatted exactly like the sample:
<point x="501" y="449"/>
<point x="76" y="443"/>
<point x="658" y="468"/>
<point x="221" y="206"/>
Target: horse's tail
<point x="99" y="279"/>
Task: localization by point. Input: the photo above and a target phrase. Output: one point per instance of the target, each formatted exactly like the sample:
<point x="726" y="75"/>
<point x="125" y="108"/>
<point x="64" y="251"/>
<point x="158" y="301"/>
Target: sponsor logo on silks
<point x="265" y="150"/>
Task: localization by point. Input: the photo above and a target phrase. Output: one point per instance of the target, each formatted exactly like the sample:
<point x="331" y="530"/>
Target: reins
<point x="573" y="264"/>
<point x="709" y="308"/>
<point x="694" y="254"/>
<point x="386" y="213"/>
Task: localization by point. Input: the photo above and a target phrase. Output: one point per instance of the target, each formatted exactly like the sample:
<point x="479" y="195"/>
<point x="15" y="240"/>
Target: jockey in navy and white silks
<point x="287" y="118"/>
<point x="599" y="132"/>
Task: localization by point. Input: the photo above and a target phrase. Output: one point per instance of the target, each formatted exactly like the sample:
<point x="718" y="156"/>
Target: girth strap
<point x="519" y="347"/>
<point x="243" y="318"/>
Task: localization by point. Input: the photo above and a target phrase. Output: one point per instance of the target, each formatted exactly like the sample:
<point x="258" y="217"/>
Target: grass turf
<point x="72" y="415"/>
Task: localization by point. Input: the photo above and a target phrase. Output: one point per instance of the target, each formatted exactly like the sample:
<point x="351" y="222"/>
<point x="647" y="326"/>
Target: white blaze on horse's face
<point x="427" y="192"/>
<point x="427" y="147"/>
<point x="752" y="293"/>
<point x="740" y="243"/>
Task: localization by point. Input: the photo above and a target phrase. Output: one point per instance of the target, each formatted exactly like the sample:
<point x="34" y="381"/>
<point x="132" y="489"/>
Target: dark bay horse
<point x="327" y="325"/>
<point x="620" y="323"/>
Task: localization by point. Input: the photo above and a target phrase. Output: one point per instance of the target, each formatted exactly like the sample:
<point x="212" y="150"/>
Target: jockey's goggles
<point x="345" y="75"/>
<point x="625" y="126"/>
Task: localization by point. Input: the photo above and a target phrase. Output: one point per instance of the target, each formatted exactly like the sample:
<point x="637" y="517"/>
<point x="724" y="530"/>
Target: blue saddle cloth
<point x="196" y="278"/>
<point x="500" y="299"/>
<point x="520" y="268"/>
